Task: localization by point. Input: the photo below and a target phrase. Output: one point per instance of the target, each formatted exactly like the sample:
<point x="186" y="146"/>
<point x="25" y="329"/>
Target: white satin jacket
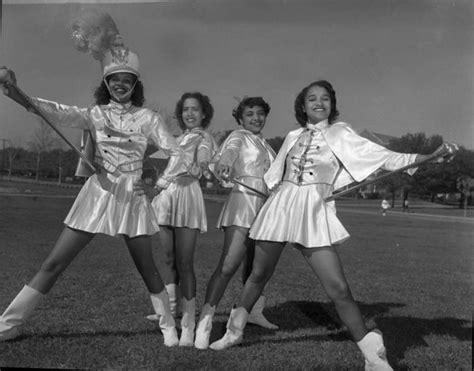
<point x="249" y="155"/>
<point x="358" y="156"/>
<point x="120" y="134"/>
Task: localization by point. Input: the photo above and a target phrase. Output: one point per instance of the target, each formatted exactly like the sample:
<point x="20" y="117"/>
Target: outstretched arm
<point x="53" y="113"/>
<point x="8" y="82"/>
<point x="444" y="152"/>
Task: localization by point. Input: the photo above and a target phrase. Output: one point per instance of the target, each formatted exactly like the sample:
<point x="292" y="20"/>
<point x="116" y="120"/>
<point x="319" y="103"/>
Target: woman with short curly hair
<point x="244" y="156"/>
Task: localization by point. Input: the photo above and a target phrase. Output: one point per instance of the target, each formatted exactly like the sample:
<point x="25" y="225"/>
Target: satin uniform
<point x="107" y="203"/>
<point x="249" y="156"/>
<point x="182" y="203"/>
<point x="312" y="163"/>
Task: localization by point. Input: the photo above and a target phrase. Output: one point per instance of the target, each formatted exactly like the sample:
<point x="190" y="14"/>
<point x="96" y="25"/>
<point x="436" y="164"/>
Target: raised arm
<point x="55" y="113"/>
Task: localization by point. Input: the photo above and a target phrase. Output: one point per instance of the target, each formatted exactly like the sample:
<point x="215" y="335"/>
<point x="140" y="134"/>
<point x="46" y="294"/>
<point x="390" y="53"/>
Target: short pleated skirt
<point x="181" y="205"/>
<point x="298" y="214"/>
<point x="242" y="205"/>
<point x="107" y="204"/>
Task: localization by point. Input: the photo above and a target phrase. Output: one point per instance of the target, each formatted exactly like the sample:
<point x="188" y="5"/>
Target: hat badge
<point x="120" y="56"/>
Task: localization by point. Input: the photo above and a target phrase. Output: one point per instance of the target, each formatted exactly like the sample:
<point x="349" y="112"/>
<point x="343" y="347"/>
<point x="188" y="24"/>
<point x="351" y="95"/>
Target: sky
<point x="397" y="66"/>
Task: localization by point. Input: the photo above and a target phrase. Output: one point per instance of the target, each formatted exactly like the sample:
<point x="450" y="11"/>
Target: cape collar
<point x="321" y="125"/>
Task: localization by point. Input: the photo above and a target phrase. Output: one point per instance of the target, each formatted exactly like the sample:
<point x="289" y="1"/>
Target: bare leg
<point x="165" y="255"/>
<point x="185" y="244"/>
<point x="140" y="250"/>
<point x="232" y="254"/>
<point x="266" y="258"/>
<point x="69" y="244"/>
<point x="265" y="261"/>
<point x="248" y="259"/>
<point x="256" y="316"/>
<point x="326" y="264"/>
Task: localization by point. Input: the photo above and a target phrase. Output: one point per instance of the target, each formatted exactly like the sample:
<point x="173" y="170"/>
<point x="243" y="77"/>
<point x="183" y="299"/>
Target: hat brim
<point x="122" y="69"/>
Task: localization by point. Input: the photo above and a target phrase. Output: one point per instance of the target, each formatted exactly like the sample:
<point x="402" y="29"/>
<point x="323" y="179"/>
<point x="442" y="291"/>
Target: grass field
<point x="411" y="274"/>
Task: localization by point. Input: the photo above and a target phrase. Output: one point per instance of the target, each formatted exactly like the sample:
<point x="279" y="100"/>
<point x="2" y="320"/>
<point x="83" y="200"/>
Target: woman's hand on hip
<point x="141" y="188"/>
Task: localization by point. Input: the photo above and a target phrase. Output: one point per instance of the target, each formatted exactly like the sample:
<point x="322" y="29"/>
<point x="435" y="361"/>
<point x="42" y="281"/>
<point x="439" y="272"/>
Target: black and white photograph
<point x="244" y="185"/>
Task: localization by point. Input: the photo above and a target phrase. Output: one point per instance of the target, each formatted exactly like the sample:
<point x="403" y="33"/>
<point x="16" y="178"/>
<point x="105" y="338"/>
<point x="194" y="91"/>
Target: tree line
<point x="45" y="157"/>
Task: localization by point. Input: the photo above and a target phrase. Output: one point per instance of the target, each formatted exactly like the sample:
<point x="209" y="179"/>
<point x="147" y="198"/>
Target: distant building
<point x="378" y="138"/>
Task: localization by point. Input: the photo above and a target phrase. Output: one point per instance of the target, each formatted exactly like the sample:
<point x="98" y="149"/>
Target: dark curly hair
<point x="249" y="102"/>
<point x="102" y="95"/>
<point x="301" y="116"/>
<point x="206" y="107"/>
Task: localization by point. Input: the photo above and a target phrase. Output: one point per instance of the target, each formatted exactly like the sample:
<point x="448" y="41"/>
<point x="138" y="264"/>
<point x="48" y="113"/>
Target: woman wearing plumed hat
<point x="113" y="201"/>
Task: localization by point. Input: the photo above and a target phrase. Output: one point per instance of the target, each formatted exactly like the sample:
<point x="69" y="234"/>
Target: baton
<point x="15" y="93"/>
<point x="235" y="181"/>
<point x="386" y="175"/>
<point x="260" y="193"/>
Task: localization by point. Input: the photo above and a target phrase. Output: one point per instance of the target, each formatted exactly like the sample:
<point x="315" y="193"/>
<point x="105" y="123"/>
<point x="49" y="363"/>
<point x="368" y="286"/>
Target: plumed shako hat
<point x="96" y="33"/>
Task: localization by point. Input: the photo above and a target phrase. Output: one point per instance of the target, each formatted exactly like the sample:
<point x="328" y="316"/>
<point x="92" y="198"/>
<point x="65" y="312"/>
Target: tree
<point x="276" y="143"/>
<point x="430" y="179"/>
<point x="12" y="153"/>
<point x="168" y="117"/>
<point x="43" y="139"/>
<point x="426" y="179"/>
<point x="221" y="136"/>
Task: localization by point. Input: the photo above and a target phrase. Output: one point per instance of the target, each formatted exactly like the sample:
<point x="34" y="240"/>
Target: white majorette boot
<point x="18" y="311"/>
<point x="256" y="316"/>
<point x="174" y="294"/>
<point x="161" y="305"/>
<point x="373" y="350"/>
<point x="203" y="331"/>
<point x="188" y="323"/>
<point x="235" y="329"/>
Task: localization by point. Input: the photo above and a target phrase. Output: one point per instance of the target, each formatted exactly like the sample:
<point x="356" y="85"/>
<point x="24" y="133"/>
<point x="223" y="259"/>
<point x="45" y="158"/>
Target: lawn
<point x="411" y="275"/>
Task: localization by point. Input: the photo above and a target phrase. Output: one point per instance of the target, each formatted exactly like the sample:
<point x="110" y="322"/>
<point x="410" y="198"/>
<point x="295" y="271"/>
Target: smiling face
<point x="192" y="113"/>
<point x="317" y="104"/>
<point x="253" y="119"/>
<point x="121" y="86"/>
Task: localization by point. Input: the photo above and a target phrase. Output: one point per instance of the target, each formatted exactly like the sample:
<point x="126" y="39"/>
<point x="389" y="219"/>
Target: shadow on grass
<point x="400" y="333"/>
<point x="404" y="333"/>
